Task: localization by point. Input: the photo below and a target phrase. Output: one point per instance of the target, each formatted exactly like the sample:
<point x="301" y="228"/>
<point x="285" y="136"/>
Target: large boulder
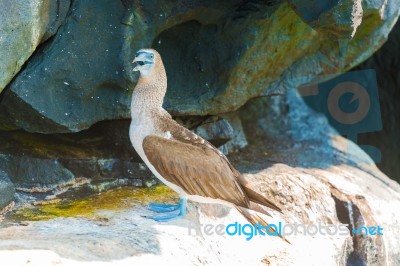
<point x="83" y="74"/>
<point x="23" y="26"/>
<point x="73" y="80"/>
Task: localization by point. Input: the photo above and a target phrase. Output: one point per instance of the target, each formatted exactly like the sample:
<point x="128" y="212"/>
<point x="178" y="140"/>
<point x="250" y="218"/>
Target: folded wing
<point x="197" y="169"/>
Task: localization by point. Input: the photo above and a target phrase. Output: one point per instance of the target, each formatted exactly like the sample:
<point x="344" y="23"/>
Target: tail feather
<point x="255" y="196"/>
<point x="255" y="219"/>
<point x="260" y="199"/>
<point x="256" y="207"/>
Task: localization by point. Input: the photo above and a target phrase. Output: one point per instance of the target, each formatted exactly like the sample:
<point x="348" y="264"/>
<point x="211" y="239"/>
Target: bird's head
<point x="145" y="60"/>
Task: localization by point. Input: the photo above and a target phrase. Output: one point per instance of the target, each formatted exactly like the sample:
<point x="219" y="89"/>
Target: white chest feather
<point x="141" y="126"/>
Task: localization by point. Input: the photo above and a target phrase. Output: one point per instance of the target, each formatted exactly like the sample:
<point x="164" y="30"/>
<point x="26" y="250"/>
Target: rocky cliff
<point x="233" y="70"/>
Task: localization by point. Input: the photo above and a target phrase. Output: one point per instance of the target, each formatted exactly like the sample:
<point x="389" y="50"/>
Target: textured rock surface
<point x="40" y="162"/>
<point x="220" y="131"/>
<point x="101" y="153"/>
<point x="339" y="18"/>
<point x="75" y="79"/>
<point x="23" y="26"/>
<point x="36" y="173"/>
<point x="83" y="74"/>
<point x="321" y="180"/>
<point x="7" y="190"/>
<point x="308" y="195"/>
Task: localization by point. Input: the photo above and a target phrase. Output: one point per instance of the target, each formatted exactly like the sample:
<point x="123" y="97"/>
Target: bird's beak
<point x="138" y="59"/>
<point x="136" y="68"/>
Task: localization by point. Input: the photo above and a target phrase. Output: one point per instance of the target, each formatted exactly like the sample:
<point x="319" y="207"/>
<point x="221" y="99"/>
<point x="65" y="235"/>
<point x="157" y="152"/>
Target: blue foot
<point x="163" y="208"/>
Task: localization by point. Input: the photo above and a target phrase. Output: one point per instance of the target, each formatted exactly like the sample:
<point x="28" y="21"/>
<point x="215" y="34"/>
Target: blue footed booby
<point x="182" y="160"/>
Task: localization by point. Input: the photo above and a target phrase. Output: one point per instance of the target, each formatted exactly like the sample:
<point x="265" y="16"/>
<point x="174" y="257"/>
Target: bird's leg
<point x="163" y="208"/>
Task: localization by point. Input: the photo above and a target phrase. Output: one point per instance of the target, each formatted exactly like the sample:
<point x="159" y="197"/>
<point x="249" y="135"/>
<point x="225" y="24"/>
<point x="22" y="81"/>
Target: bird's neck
<point x="150" y="90"/>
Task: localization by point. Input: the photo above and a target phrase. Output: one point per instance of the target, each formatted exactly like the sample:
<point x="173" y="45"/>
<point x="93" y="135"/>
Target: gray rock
<point x="106" y="169"/>
<point x="7" y="190"/>
<point x="216" y="130"/>
<point x="340" y="195"/>
<point x="35" y="174"/>
<point x="238" y="140"/>
<point x="42" y="162"/>
<point x="339" y="18"/>
<point x="83" y="74"/>
<point x="318" y="177"/>
<point x="264" y="116"/>
<point x="23" y="27"/>
<point x="225" y="131"/>
<point x="78" y="68"/>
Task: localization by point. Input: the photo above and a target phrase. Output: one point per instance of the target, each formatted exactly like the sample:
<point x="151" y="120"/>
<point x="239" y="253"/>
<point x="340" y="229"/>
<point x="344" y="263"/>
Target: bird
<point x="182" y="160"/>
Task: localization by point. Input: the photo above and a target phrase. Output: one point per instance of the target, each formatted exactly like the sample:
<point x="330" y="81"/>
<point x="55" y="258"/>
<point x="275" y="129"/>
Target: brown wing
<point x="186" y="136"/>
<point x="197" y="169"/>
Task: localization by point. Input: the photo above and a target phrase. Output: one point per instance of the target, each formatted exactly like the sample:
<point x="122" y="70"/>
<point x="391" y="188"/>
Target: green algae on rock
<point x="88" y="207"/>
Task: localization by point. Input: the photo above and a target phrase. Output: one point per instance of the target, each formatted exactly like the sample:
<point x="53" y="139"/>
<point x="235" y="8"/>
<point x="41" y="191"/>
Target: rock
<point x="70" y="84"/>
<point x="35" y="174"/>
<point x="338" y="18"/>
<point x="303" y="138"/>
<point x="7" y="190"/>
<point x="238" y="140"/>
<point x="109" y="169"/>
<point x="293" y="156"/>
<point x="225" y="131"/>
<point x="386" y="63"/>
<point x="43" y="162"/>
<point x="70" y="74"/>
<point x="101" y="154"/>
<point x="309" y="196"/>
<point x="376" y="132"/>
<point x="23" y="27"/>
<point x="328" y="188"/>
<point x="218" y="131"/>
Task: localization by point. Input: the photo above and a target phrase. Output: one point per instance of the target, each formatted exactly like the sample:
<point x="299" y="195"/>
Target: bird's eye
<point x="152" y="56"/>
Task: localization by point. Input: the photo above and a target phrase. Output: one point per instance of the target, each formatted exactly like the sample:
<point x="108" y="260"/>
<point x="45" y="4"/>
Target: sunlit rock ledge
<point x="358" y="195"/>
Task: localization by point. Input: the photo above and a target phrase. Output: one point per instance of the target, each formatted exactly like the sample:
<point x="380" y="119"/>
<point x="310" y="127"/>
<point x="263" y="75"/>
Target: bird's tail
<point x="255" y="196"/>
<point x="256" y="220"/>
